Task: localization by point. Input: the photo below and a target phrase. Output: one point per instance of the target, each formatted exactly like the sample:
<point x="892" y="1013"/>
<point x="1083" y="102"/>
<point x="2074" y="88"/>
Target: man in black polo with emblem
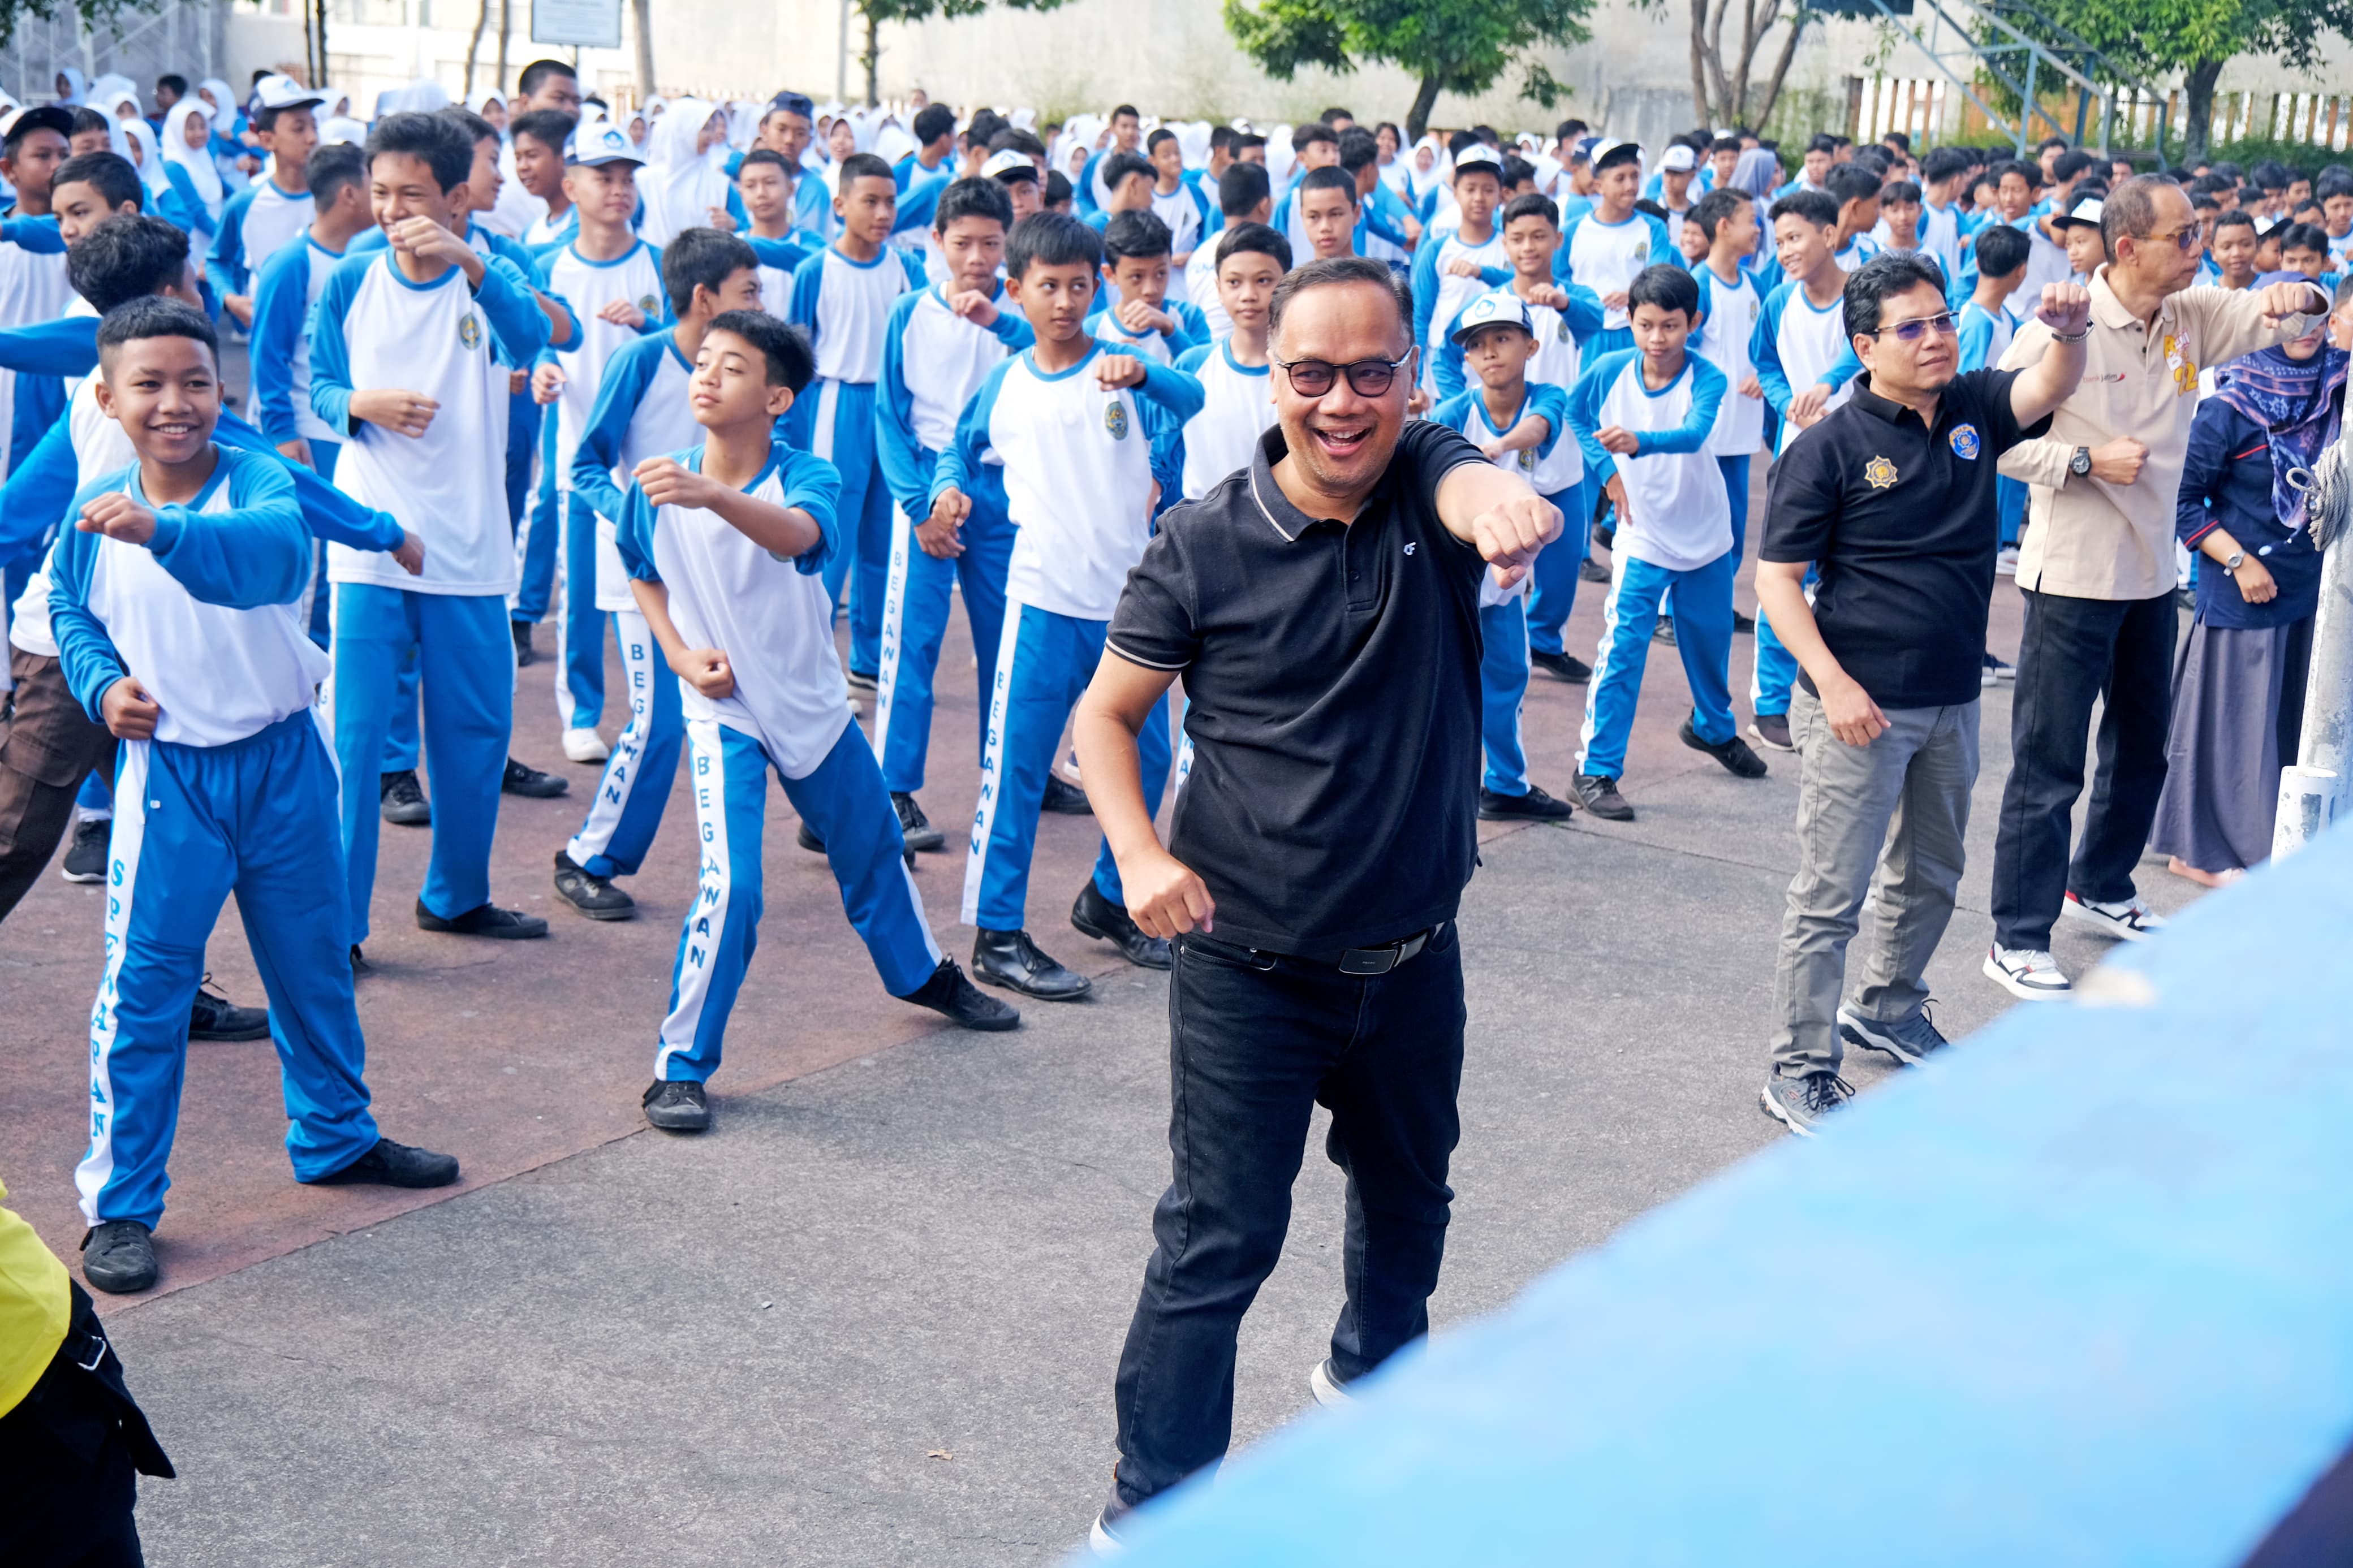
<point x="1323" y="606"/>
<point x="1894" y="496"/>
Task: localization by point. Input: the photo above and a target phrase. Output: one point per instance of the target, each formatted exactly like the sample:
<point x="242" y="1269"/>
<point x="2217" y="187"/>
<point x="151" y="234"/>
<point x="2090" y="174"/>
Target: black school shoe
<point x="1599" y="793"/>
<point x="531" y="783"/>
<point x="212" y="1017"/>
<point x="914" y="825"/>
<point x="816" y="846"/>
<point x="391" y="1164"/>
<point x="118" y="1257"/>
<point x="676" y="1107"/>
<point x="401" y="801"/>
<point x="85" y="858"/>
<point x="1737" y="759"/>
<point x="523" y="651"/>
<point x="1534" y="807"/>
<point x="956" y="998"/>
<point x="592" y="895"/>
<point x="1009" y="958"/>
<point x="1561" y="667"/>
<point x="1096" y="916"/>
<point x="1064" y="799"/>
<point x="485" y="920"/>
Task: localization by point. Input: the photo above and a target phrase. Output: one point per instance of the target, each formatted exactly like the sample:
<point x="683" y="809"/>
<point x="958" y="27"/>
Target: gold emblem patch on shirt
<point x="1115" y="419"/>
<point x="1878" y="473"/>
<point x="470" y="331"/>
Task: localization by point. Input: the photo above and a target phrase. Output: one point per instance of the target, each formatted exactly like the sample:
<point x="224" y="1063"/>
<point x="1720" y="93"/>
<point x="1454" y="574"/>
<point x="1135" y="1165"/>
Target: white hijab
<point x="894" y="141"/>
<point x="680" y="185"/>
<point x="743" y="125"/>
<point x="1280" y="155"/>
<point x="423" y="96"/>
<point x="225" y="104"/>
<point x="146" y="155"/>
<point x="342" y="129"/>
<point x="77" y="88"/>
<point x="1434" y="177"/>
<point x="196" y="161"/>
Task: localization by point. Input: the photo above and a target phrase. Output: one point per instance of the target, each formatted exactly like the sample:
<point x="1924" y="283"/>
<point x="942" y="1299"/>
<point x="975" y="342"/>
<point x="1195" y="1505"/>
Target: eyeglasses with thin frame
<point x="2182" y="239"/>
<point x="1912" y="332"/>
<point x="1367" y="377"/>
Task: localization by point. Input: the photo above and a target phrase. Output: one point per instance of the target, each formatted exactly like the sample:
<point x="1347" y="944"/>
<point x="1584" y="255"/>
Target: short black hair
<point x="1359" y="149"/>
<point x="1241" y="187"/>
<point x="1853" y="183"/>
<point x="791" y="361"/>
<point x="1141" y="235"/>
<point x="982" y="128"/>
<point x="1821" y="142"/>
<point x="2031" y="173"/>
<point x="439" y="144"/>
<point x="1943" y="163"/>
<point x="1302" y="137"/>
<point x="332" y="167"/>
<point x="1714" y="207"/>
<point x="765" y="157"/>
<point x="551" y="128"/>
<point x="1127" y="110"/>
<point x="1900" y="139"/>
<point x="1255" y="236"/>
<point x="2236" y="217"/>
<point x="1222" y="139"/>
<point x="126" y="257"/>
<point x="85" y="119"/>
<point x="2271" y="175"/>
<point x="1330" y="115"/>
<point x="932" y="122"/>
<point x="1461" y="141"/>
<point x="2001" y="250"/>
<point x="2308" y="235"/>
<point x="2049" y="141"/>
<point x="1530" y="205"/>
<point x="705" y="257"/>
<point x="174" y="81"/>
<point x="1817" y="207"/>
<point x="2332" y="183"/>
<point x="1885" y="275"/>
<point x="1899" y="191"/>
<point x="1057" y="190"/>
<point x="477" y="129"/>
<point x="1328" y="178"/>
<point x="865" y="166"/>
<point x="1665" y="286"/>
<point x="1328" y="270"/>
<point x="1152" y="142"/>
<point x="109" y="173"/>
<point x="1121" y="167"/>
<point x="152" y="316"/>
<point x="1015" y="138"/>
<point x="41" y="116"/>
<point x="1517" y="170"/>
<point x="1051" y="239"/>
<point x="2069" y="164"/>
<point x="975" y="197"/>
<point x="539" y="71"/>
<point x="1624" y="153"/>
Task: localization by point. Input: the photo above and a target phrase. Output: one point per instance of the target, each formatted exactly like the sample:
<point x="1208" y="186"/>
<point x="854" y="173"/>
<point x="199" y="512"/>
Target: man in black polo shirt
<point x="1323" y="606"/>
<point x="1893" y="495"/>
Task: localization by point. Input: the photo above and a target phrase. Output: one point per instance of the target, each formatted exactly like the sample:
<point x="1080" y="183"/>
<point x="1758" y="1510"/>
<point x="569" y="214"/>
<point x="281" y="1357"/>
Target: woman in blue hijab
<point x="2238" y="690"/>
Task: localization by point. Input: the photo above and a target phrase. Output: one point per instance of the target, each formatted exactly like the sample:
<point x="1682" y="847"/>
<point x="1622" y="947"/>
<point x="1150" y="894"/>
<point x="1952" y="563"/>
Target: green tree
<point x="2198" y="38"/>
<point x="1450" y="46"/>
<point x="878" y="12"/>
<point x="96" y="15"/>
<point x="1723" y="70"/>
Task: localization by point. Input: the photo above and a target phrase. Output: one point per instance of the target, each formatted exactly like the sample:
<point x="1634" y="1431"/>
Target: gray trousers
<point x="1907" y="793"/>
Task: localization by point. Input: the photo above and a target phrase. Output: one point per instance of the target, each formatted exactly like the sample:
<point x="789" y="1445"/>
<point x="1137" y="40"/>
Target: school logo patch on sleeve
<point x="1965" y="441"/>
<point x="1878" y="473"/>
<point x="1115" y="419"/>
<point x="470" y="331"/>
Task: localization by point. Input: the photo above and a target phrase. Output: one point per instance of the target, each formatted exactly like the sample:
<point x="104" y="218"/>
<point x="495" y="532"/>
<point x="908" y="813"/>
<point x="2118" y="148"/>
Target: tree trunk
<point x="1780" y="69"/>
<point x="642" y="10"/>
<point x="1416" y="118"/>
<point x="873" y="60"/>
<point x="506" y="31"/>
<point x="1699" y="62"/>
<point x="2197" y="109"/>
<point x="474" y="44"/>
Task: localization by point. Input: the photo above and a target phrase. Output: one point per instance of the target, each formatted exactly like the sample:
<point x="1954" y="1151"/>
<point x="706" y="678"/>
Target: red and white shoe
<point x="2130" y="920"/>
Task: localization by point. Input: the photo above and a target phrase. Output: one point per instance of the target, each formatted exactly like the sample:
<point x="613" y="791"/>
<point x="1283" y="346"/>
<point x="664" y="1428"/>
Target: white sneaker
<point x="584" y="745"/>
<point x="2026" y="973"/>
<point x="1327" y="1389"/>
<point x="2005" y="562"/>
<point x="2131" y="920"/>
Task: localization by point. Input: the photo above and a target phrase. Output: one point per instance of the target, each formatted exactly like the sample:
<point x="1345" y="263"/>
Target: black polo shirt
<point x="1332" y="673"/>
<point x="1903" y="522"/>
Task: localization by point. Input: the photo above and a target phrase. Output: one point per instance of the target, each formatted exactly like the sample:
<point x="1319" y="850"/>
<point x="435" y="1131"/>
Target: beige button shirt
<point x="2088" y="539"/>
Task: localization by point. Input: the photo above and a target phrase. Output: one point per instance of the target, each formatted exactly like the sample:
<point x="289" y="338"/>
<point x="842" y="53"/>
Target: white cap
<point x="1009" y="160"/>
<point x="594" y="143"/>
<point x="1679" y="159"/>
<point x="1501" y="308"/>
<point x="284" y="93"/>
<point x="1478" y="157"/>
<point x="2086" y="211"/>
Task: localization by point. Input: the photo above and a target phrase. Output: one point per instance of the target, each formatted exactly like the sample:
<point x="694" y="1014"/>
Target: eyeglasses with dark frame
<point x="1367" y="377"/>
<point x="1912" y="332"/>
<point x="2182" y="239"/>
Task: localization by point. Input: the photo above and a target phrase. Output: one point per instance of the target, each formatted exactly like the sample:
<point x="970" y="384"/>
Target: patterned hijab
<point x="2300" y="404"/>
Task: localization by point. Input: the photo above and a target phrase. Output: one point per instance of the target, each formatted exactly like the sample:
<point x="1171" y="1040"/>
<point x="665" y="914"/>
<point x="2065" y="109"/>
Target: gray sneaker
<point x="1800" y="1102"/>
<point x="1909" y="1041"/>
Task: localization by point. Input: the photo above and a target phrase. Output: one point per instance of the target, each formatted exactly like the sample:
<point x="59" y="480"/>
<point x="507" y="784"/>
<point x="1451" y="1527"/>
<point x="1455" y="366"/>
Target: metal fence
<point x="182" y="36"/>
<point x="1929" y="108"/>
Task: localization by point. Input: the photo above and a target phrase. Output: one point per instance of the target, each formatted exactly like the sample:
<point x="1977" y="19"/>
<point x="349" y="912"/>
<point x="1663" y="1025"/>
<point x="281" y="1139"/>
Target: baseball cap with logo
<point x="1008" y="162"/>
<point x="1679" y="158"/>
<point x="1501" y="308"/>
<point x="1480" y="157"/>
<point x="284" y="93"/>
<point x="791" y="103"/>
<point x="2085" y="212"/>
<point x="597" y="141"/>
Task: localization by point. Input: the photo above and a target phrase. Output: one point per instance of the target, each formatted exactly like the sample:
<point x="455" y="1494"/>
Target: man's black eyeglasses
<point x="1367" y="377"/>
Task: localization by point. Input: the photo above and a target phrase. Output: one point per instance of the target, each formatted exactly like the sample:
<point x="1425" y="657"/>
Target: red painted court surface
<point x="510" y="1054"/>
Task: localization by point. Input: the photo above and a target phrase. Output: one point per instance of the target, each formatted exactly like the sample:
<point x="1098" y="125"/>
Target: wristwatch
<point x="2232" y="562"/>
<point x="2080" y="463"/>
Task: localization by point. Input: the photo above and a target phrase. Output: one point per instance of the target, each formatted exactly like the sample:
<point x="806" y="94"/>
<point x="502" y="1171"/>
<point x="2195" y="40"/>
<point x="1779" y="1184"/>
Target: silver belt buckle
<point x="1370" y="960"/>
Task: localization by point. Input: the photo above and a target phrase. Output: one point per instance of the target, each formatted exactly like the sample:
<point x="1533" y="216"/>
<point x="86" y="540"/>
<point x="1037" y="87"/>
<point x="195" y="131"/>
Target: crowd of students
<point x="709" y="375"/>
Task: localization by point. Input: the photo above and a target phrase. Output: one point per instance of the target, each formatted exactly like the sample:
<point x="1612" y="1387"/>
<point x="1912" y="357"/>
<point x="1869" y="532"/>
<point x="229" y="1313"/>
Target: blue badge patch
<point x="1965" y="441"/>
<point x="1115" y="419"/>
<point x="470" y="331"/>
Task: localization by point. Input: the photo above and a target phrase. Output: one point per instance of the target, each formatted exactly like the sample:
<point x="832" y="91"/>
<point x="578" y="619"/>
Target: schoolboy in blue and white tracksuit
<point x="1674" y="531"/>
<point x="1728" y="316"/>
<point x="1080" y="461"/>
<point x="844" y="304"/>
<point x="1533" y="443"/>
<point x="1606" y="257"/>
<point x="933" y="360"/>
<point x="182" y="617"/>
<point x="380" y="326"/>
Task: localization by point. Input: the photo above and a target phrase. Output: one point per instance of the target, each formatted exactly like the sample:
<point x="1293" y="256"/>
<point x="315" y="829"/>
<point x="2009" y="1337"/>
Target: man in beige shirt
<point x="2097" y="569"/>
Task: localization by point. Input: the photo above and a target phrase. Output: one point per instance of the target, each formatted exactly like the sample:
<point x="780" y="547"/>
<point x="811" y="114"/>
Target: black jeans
<point x="1257" y="1041"/>
<point x="70" y="1457"/>
<point x="2075" y="650"/>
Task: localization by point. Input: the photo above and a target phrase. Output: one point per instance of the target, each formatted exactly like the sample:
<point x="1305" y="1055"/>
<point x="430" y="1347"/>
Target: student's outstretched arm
<point x="522" y="320"/>
<point x="907" y="468"/>
<point x="800" y="530"/>
<point x="327" y="511"/>
<point x="66" y="346"/>
<point x="1499" y="514"/>
<point x="627" y="375"/>
<point x="1177" y="393"/>
<point x="255" y="553"/>
<point x="86" y="653"/>
<point x="278" y="303"/>
<point x="1583" y="412"/>
<point x="40" y="492"/>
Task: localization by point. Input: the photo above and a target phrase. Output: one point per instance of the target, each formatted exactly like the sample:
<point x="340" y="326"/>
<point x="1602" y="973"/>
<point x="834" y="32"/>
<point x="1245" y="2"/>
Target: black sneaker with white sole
<point x="401" y="800"/>
<point x="391" y="1164"/>
<point x="1664" y="631"/>
<point x="1534" y="807"/>
<point x="951" y="994"/>
<point x="1997" y="670"/>
<point x="1592" y="570"/>
<point x="592" y="895"/>
<point x="676" y="1107"/>
<point x="1800" y="1101"/>
<point x="85" y="858"/>
<point x="484" y="920"/>
<point x="523" y="651"/>
<point x="117" y="1256"/>
<point x="1599" y="793"/>
<point x="212" y="1017"/>
<point x="528" y="782"/>
<point x="1561" y="667"/>
<point x="1327" y="1385"/>
<point x="1911" y="1040"/>
<point x="914" y="825"/>
<point x="859" y="680"/>
<point x="1771" y="730"/>
<point x="1732" y="754"/>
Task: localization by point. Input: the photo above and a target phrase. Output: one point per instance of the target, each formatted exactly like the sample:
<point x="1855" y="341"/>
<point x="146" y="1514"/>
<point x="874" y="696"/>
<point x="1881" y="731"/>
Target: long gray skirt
<point x="2237" y="705"/>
